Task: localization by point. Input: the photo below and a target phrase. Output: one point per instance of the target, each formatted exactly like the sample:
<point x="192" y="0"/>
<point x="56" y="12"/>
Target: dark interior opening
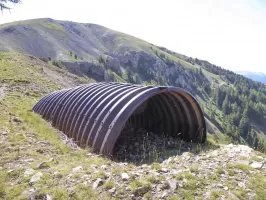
<point x="161" y="121"/>
<point x="160" y="114"/>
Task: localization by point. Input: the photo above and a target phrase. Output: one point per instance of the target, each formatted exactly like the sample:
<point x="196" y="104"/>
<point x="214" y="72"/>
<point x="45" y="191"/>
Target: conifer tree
<point x="4" y="4"/>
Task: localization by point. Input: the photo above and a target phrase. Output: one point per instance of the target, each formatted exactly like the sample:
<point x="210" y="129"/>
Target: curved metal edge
<point x="128" y="109"/>
<point x="201" y="132"/>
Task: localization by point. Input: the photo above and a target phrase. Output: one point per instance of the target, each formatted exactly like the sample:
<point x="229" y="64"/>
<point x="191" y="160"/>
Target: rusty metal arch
<point x="95" y="114"/>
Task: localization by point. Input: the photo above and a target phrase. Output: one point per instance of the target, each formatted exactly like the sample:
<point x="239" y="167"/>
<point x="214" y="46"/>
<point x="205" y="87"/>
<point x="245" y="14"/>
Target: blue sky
<point x="228" y="33"/>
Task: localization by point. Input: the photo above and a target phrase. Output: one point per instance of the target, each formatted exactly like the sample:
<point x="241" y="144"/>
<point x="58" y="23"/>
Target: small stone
<point x="163" y="170"/>
<point x="256" y="165"/>
<point x="140" y="191"/>
<point x="48" y="197"/>
<point x="28" y="172"/>
<point x="42" y="165"/>
<point x="4" y="133"/>
<point x="93" y="166"/>
<point x="219" y="185"/>
<point x="165" y="194"/>
<point x="17" y="120"/>
<point x="241" y="184"/>
<point x="245" y="162"/>
<point x="124" y="176"/>
<point x="10" y="171"/>
<point x="35" y="178"/>
<point x="76" y="169"/>
<point x="30" y="193"/>
<point x="104" y="167"/>
<point x="40" y="151"/>
<point x="172" y="184"/>
<point x="97" y="183"/>
<point x="112" y="191"/>
<point x="160" y="160"/>
<point x="226" y="188"/>
<point x="144" y="166"/>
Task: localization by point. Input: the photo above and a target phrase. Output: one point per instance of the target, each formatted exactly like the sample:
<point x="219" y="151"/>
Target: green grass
<point x="215" y="194"/>
<point x="109" y="184"/>
<point x="156" y="166"/>
<point x="195" y="168"/>
<point x="19" y="76"/>
<point x="219" y="171"/>
<point x="116" y="77"/>
<point x="3" y="187"/>
<point x="53" y="26"/>
<point x="255" y="158"/>
<point x="139" y="183"/>
<point x="243" y="167"/>
<point x="258" y="185"/>
<point x="241" y="193"/>
<point x="43" y="22"/>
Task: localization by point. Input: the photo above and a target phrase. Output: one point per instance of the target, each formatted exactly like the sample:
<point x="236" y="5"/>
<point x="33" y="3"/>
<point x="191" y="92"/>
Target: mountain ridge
<point x="255" y="76"/>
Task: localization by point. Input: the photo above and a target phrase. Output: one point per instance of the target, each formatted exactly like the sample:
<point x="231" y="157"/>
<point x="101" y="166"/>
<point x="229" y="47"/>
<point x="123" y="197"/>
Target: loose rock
<point x="256" y="165"/>
<point x="112" y="191"/>
<point x="172" y="184"/>
<point x="97" y="183"/>
<point x="48" y="197"/>
<point x="76" y="169"/>
<point x="29" y="172"/>
<point x="124" y="176"/>
<point x="35" y="178"/>
<point x="140" y="191"/>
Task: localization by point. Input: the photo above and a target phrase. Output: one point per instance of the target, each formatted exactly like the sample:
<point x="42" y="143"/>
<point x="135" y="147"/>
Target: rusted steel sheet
<point x="95" y="114"/>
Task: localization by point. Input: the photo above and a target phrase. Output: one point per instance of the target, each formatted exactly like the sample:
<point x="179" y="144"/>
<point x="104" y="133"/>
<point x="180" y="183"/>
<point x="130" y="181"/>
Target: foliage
<point x="58" y="64"/>
<point x="4" y="6"/>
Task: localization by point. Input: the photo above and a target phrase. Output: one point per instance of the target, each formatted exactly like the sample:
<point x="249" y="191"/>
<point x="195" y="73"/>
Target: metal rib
<point x="95" y="114"/>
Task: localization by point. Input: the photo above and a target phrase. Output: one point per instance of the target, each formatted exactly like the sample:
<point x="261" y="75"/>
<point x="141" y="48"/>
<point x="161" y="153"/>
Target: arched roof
<point x="95" y="114"/>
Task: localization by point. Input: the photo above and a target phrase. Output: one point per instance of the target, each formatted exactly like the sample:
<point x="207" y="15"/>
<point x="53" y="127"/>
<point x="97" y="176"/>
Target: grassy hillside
<point x="38" y="162"/>
<point x="233" y="105"/>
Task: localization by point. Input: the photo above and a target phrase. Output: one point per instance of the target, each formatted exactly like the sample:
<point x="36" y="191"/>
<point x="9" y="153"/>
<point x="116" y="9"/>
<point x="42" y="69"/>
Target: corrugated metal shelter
<point x="95" y="114"/>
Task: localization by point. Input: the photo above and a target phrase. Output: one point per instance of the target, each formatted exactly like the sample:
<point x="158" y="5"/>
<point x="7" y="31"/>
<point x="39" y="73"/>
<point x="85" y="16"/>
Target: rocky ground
<point x="213" y="172"/>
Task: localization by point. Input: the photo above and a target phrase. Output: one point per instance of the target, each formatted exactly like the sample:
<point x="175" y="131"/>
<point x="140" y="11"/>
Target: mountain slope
<point x="38" y="162"/>
<point x="232" y="103"/>
<point x="51" y="38"/>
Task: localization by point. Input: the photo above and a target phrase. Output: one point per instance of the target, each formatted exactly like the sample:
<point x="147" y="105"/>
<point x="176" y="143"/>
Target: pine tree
<point x="244" y="126"/>
<point x="3" y="4"/>
<point x="225" y="106"/>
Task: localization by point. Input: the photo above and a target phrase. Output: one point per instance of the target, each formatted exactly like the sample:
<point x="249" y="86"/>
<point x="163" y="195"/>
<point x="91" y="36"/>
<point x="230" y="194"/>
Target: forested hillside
<point x="260" y="77"/>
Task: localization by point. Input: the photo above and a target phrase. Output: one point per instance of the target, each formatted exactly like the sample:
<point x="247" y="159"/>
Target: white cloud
<point x="228" y="33"/>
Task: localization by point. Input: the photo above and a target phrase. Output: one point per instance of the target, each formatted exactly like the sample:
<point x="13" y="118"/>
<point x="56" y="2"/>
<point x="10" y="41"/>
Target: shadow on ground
<point x="144" y="147"/>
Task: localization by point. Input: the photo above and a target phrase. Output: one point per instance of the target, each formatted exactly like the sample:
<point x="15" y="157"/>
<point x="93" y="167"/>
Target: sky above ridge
<point x="227" y="33"/>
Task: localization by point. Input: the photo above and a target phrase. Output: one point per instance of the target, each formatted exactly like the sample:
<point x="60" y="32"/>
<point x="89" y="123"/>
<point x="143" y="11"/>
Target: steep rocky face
<point x="95" y="49"/>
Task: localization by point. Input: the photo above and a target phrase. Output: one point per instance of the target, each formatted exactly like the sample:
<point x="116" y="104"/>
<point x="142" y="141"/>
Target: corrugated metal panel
<point x="95" y="114"/>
